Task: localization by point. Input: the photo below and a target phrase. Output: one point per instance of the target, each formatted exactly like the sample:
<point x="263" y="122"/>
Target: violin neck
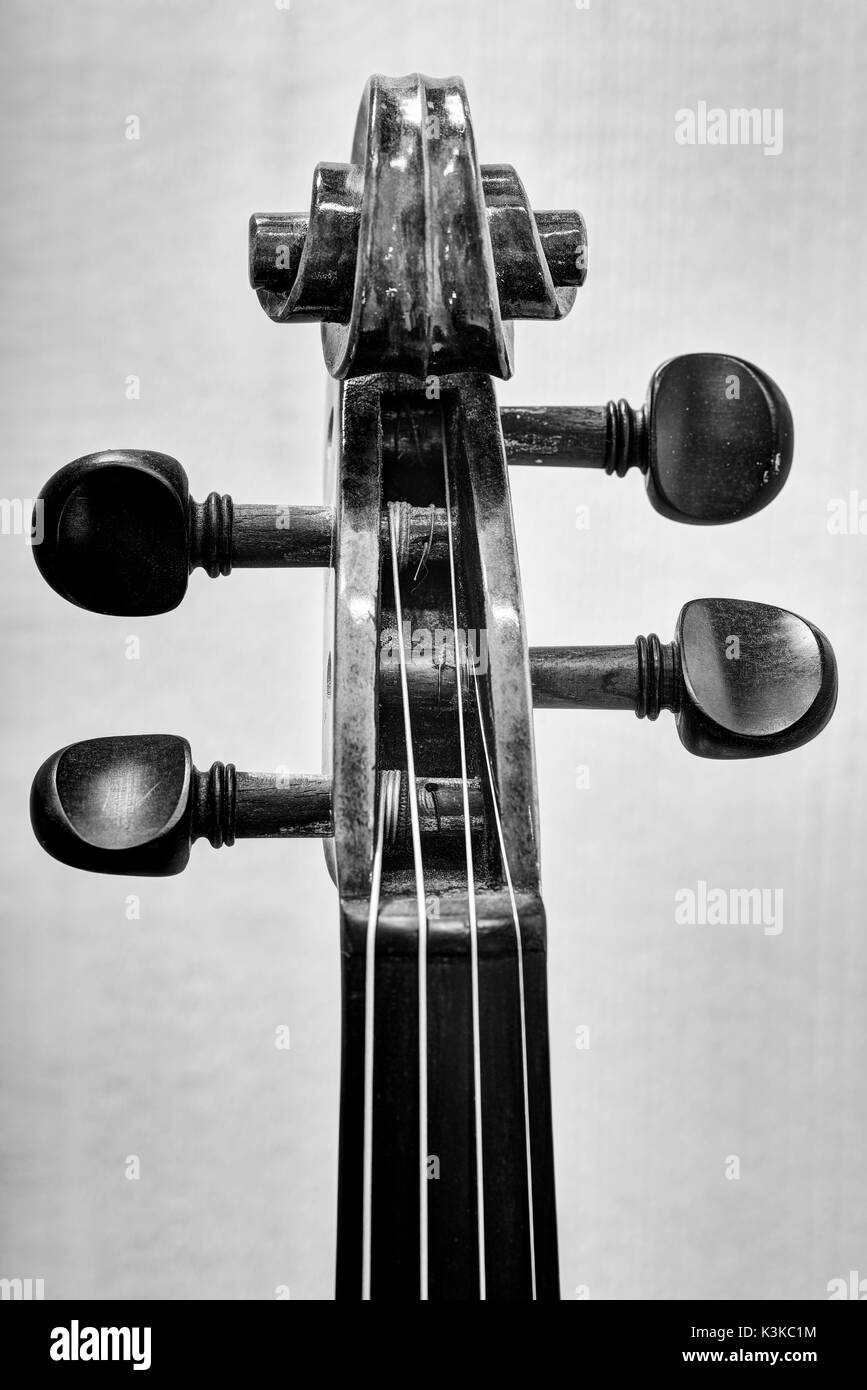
<point x="518" y="1240"/>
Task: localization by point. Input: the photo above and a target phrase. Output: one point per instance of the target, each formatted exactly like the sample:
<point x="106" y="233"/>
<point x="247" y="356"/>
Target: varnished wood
<point x="714" y="438"/>
<point x="454" y="1255"/>
<point x="120" y="533"/>
<point x="278" y="240"/>
<point x="584" y="677"/>
<point x="756" y="679"/>
<point x="136" y="804"/>
<point x="415" y="259"/>
<point x="468" y="259"/>
<point x="371" y="462"/>
<point x="744" y="680"/>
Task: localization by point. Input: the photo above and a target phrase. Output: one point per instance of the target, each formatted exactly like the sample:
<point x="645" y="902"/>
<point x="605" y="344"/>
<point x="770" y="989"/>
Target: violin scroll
<point x="414" y="257"/>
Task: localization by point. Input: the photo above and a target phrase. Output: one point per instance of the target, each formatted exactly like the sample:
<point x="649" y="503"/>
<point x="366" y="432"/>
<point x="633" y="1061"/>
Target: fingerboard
<point x="453" y="1244"/>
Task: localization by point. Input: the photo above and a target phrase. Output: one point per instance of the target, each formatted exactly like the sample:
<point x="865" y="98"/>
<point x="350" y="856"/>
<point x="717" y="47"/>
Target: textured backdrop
<point x="155" y="1037"/>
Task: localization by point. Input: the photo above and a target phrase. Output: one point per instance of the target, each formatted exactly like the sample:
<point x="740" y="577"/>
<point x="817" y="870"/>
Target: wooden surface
<point x="367" y="464"/>
<point x="156" y="1036"/>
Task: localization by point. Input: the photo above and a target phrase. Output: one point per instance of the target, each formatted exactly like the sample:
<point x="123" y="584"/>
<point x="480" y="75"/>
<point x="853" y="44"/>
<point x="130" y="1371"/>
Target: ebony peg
<point x="121" y="533"/>
<point x="135" y="805"/>
<point x="714" y="438"/>
<point x="743" y="679"/>
<point x="278" y="241"/>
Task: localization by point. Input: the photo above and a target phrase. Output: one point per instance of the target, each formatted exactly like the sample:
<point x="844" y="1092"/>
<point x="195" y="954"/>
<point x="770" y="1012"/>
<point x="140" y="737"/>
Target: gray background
<point x="156" y="1037"/>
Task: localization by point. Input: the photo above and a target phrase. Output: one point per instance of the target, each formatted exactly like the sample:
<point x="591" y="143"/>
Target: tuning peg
<point x="135" y="804"/>
<point x="743" y="679"/>
<point x="121" y="533"/>
<point x="322" y="289"/>
<point x="714" y="439"/>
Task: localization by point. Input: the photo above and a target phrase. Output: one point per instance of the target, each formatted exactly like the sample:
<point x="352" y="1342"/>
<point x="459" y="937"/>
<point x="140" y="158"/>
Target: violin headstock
<point x="416" y="260"/>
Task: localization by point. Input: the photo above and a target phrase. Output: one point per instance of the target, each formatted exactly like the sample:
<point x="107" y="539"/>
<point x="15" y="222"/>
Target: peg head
<point x="116" y="532"/>
<point x="755" y="679"/>
<point x="720" y="439"/>
<point x="119" y="805"/>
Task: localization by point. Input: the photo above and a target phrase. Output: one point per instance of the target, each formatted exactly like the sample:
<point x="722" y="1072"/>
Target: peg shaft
<point x="231" y="805"/>
<point x="585" y="677"/>
<point x="277" y="242"/>
<point x="225" y="535"/>
<point x="643" y="677"/>
<point x="266" y="537"/>
<point x="612" y="436"/>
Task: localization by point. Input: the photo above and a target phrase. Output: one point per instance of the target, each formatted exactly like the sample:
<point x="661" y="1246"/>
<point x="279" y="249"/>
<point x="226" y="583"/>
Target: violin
<point x="417" y="261"/>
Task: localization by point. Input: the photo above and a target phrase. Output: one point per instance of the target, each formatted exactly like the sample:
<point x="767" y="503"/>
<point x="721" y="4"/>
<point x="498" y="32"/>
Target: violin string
<point x="412" y="801"/>
<point x="520" y="956"/>
<point x="471" y="886"/>
<point x="369" y="969"/>
<point x="421" y="567"/>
